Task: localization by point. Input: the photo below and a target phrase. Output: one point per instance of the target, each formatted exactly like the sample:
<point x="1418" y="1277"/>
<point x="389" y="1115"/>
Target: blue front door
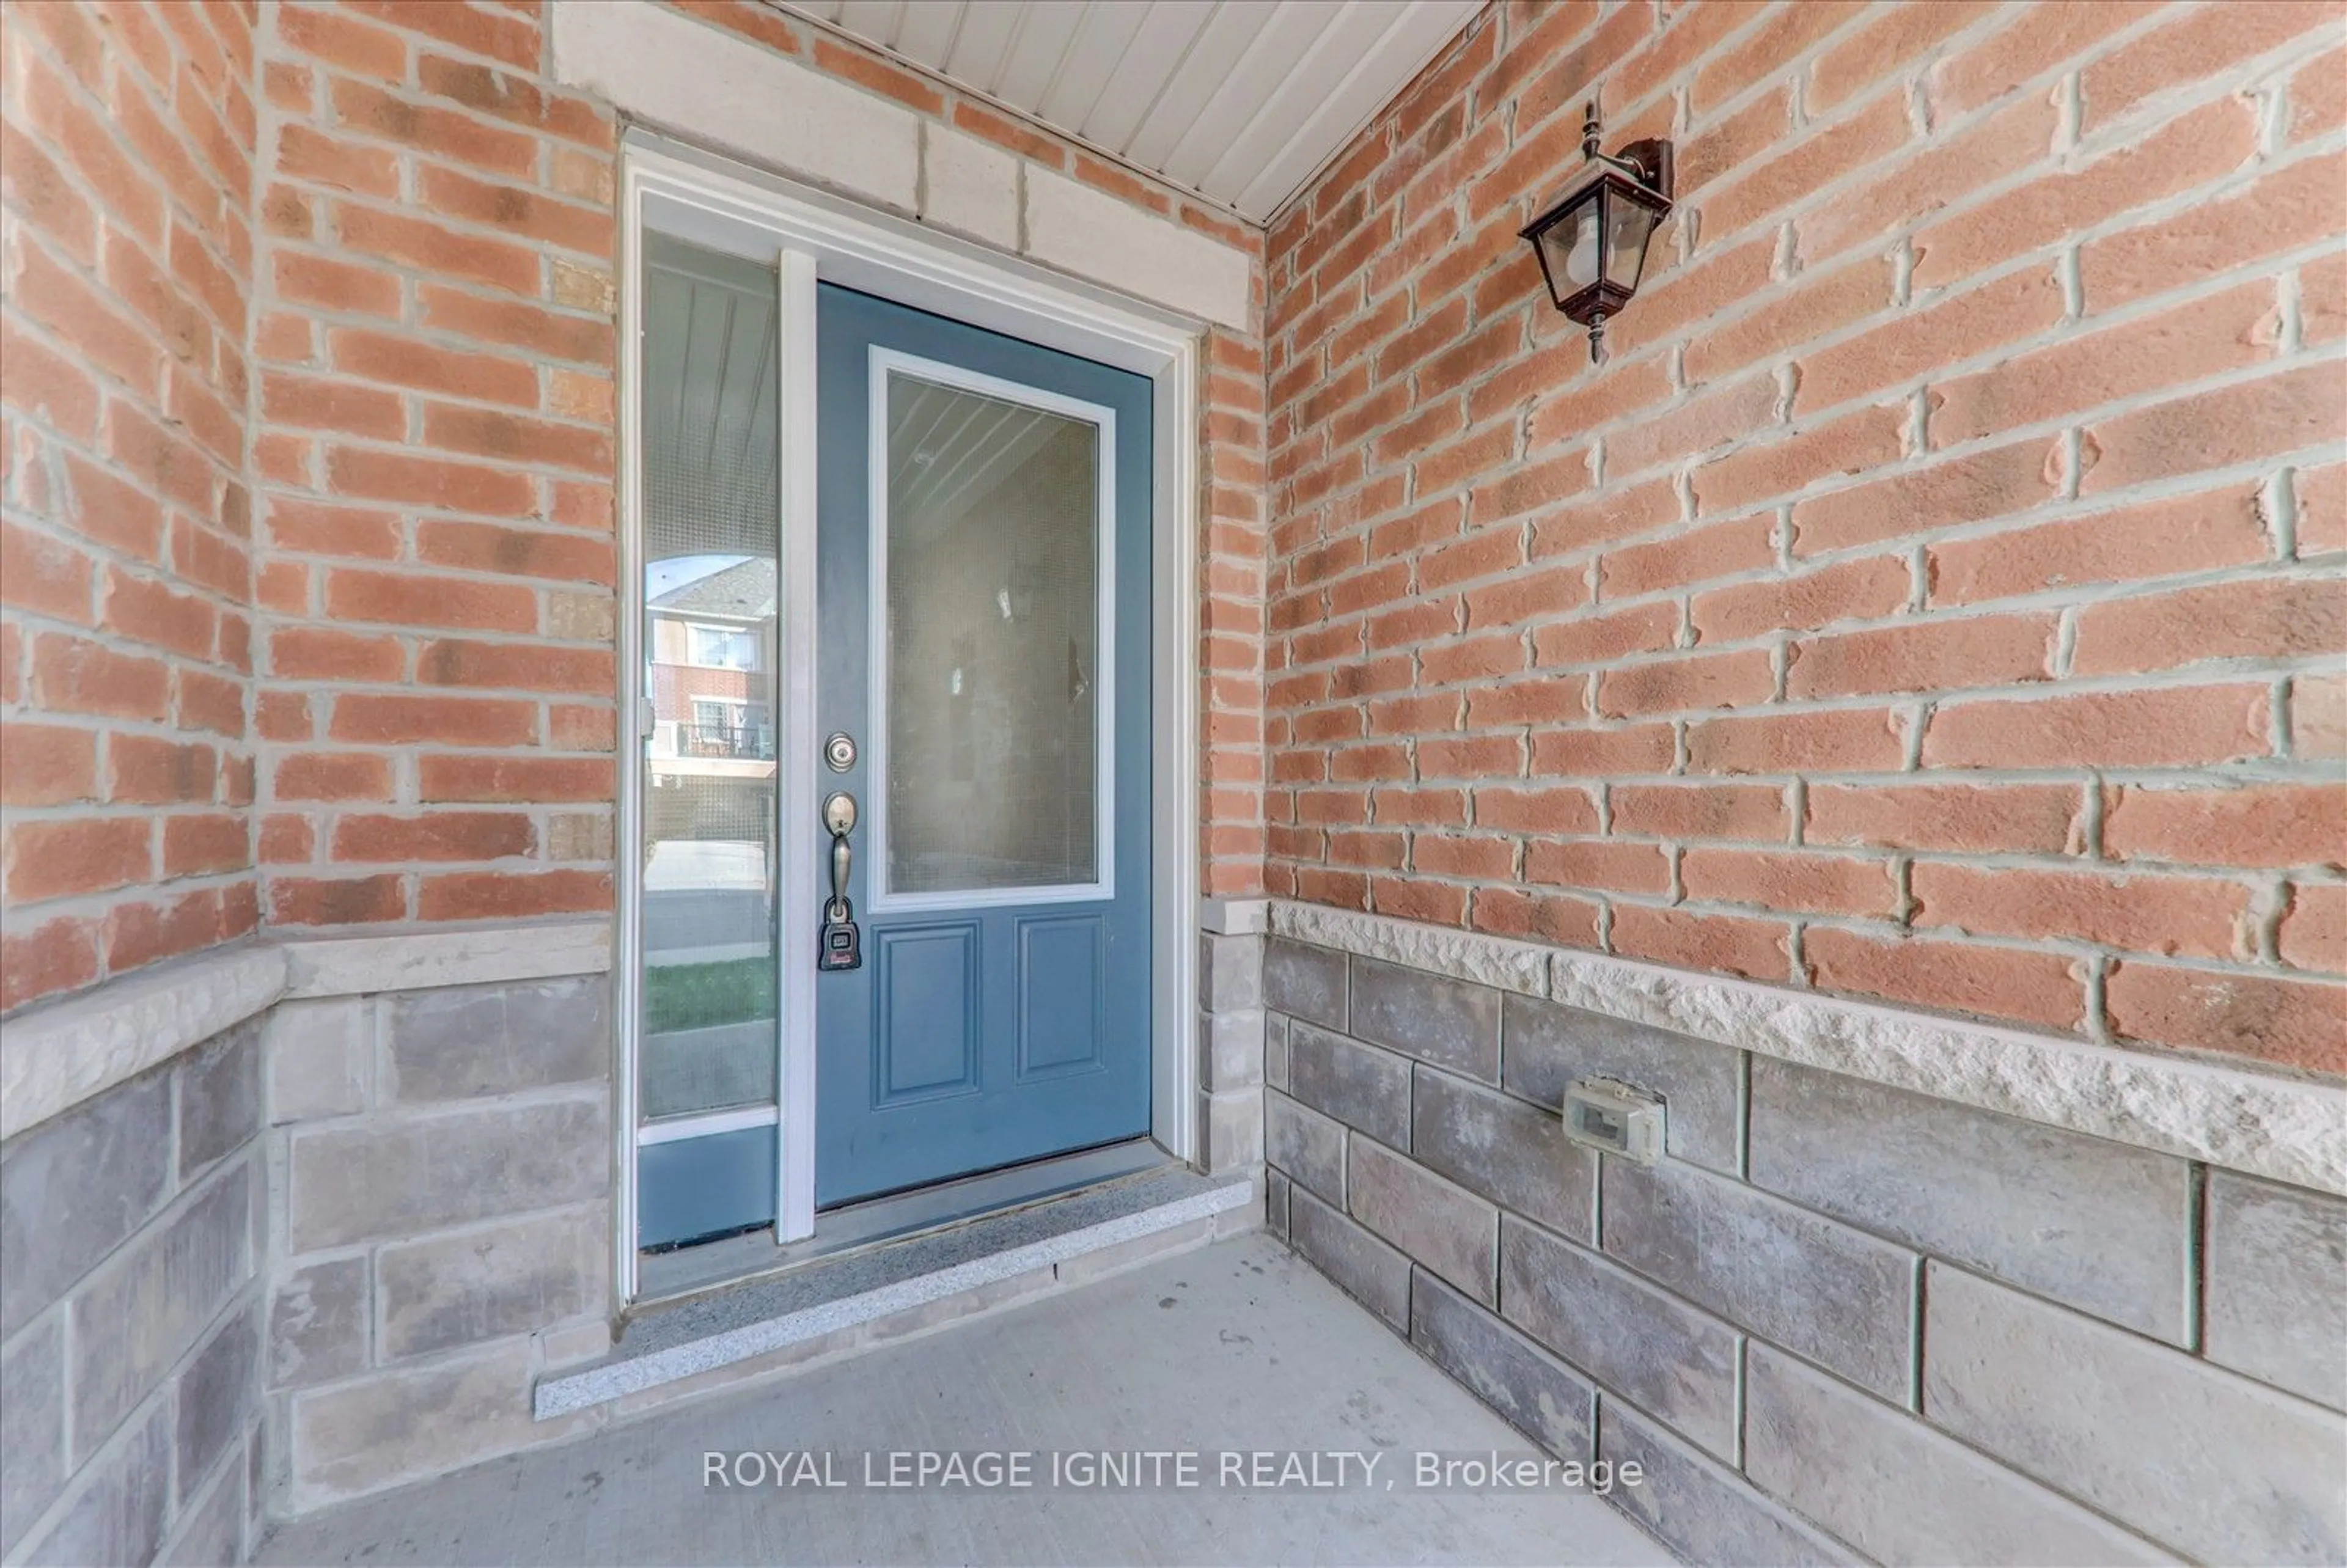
<point x="984" y="594"/>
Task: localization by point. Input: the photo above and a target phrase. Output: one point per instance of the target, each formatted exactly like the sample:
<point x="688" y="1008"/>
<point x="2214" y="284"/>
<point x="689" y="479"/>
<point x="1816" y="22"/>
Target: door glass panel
<point x="710" y="532"/>
<point x="992" y="682"/>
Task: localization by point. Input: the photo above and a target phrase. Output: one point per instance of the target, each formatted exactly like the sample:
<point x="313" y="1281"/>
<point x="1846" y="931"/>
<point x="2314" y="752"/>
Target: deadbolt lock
<point x="839" y="750"/>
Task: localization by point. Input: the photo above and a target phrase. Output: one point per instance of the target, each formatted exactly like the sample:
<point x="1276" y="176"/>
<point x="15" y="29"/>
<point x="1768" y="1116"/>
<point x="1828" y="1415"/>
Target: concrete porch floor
<point x="1233" y="1346"/>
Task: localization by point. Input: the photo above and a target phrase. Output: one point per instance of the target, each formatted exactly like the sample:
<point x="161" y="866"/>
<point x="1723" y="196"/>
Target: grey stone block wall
<point x="2276" y="1266"/>
<point x="1231" y="1058"/>
<point x="1838" y="1322"/>
<point x="330" y="1251"/>
<point x="132" y="1254"/>
<point x="440" y="1226"/>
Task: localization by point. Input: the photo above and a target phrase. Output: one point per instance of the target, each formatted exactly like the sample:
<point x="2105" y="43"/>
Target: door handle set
<point x="841" y="945"/>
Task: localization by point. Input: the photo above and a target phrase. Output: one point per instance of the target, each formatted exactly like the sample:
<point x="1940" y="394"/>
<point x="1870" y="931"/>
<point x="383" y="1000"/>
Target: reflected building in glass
<point x="710" y="537"/>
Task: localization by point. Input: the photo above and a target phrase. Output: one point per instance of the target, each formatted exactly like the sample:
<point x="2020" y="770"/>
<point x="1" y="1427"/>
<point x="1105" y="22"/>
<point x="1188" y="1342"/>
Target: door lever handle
<point x="840" y="943"/>
<point x="839" y="817"/>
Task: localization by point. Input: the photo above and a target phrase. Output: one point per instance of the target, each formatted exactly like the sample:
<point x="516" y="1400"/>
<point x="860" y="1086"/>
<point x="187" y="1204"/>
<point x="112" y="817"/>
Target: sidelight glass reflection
<point x="709" y="818"/>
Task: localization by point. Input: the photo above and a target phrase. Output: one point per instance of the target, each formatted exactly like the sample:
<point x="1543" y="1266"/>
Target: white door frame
<point x="726" y="206"/>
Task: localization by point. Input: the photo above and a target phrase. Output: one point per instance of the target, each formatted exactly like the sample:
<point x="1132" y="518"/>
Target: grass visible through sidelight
<point x="697" y="996"/>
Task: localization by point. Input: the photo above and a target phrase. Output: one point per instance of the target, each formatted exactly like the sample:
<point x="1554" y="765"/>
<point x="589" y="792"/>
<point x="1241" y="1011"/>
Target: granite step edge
<point x="577" y="1389"/>
<point x="756" y="1298"/>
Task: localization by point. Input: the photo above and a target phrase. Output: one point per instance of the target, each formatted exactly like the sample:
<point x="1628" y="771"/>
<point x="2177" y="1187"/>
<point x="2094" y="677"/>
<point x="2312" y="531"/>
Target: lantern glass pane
<point x="1630" y="224"/>
<point x="1571" y="247"/>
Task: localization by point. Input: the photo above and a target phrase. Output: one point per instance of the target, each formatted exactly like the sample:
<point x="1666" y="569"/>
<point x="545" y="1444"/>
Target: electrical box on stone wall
<point x="1615" y="1118"/>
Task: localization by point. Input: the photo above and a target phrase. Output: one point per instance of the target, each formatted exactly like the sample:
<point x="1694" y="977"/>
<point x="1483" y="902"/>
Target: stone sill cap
<point x="2286" y="1129"/>
<point x="55" y="1056"/>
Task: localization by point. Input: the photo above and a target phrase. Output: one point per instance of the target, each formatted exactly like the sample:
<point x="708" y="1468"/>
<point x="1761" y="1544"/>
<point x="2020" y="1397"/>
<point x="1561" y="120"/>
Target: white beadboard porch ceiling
<point x="1243" y="101"/>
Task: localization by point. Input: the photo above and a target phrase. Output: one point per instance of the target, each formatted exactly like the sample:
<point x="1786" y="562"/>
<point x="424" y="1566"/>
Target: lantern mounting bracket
<point x="1649" y="160"/>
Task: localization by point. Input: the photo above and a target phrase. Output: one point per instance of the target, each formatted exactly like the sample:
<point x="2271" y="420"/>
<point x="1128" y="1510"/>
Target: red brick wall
<point x="126" y="775"/>
<point x="433" y="348"/>
<point x="1231" y="629"/>
<point x="421" y="620"/>
<point x="1937" y="598"/>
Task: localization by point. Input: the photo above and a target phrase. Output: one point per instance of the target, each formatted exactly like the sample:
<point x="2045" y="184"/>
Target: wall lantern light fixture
<point x="1592" y="244"/>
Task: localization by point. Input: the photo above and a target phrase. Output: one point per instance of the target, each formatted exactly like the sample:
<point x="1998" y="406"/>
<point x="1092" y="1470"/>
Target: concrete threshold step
<point x="730" y="1326"/>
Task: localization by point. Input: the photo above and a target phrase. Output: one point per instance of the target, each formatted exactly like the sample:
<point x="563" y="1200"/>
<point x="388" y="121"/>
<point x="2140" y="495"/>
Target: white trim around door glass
<point x="882" y="898"/>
